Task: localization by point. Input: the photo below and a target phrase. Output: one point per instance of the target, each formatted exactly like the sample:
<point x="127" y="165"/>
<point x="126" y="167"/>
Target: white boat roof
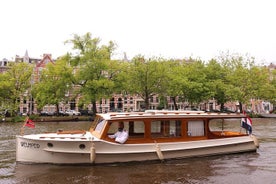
<point x="167" y="114"/>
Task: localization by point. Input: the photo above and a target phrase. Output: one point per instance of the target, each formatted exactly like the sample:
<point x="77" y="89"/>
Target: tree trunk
<point x="146" y="103"/>
<point x="57" y="107"/>
<point x="221" y="107"/>
<point x="240" y="106"/>
<point x="174" y="103"/>
<point x="94" y="108"/>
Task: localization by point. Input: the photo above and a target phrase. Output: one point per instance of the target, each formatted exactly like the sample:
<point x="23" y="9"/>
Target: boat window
<point x="113" y="128"/>
<point x="100" y="125"/>
<point x="195" y="128"/>
<point x="138" y="126"/>
<point x="216" y="125"/>
<point x="232" y="124"/>
<point x="166" y="128"/>
<point x="135" y="128"/>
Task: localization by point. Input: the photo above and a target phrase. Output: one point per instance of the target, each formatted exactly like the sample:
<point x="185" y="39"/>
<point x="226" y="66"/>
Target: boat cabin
<point x="167" y="126"/>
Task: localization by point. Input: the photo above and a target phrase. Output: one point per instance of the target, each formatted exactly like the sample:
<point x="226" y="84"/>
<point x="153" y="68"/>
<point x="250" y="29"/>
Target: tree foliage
<point x="246" y="79"/>
<point x="14" y="83"/>
<point x="95" y="71"/>
<point x="55" y="81"/>
<point x="220" y="88"/>
<point x="175" y="80"/>
<point x="146" y="77"/>
<point x="195" y="89"/>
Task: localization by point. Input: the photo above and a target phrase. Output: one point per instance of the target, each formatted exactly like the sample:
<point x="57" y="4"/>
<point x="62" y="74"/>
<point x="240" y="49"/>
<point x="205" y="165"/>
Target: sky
<point x="175" y="29"/>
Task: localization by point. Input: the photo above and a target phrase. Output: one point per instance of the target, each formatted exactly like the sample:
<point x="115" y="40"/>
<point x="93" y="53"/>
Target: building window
<point x="120" y="103"/>
<point x="112" y="104"/>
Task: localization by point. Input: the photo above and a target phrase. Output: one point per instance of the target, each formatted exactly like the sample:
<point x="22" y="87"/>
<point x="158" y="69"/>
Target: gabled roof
<point x="46" y="59"/>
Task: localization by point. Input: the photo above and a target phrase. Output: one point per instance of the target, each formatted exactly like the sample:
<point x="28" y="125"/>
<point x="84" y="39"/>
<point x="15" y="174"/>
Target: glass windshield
<point x="99" y="123"/>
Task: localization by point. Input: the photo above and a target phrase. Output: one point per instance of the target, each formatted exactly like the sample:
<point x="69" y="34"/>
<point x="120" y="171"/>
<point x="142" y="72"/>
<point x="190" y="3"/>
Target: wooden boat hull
<point x="86" y="149"/>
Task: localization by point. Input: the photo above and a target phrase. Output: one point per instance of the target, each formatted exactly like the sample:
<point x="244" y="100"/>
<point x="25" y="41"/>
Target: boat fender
<point x="159" y="152"/>
<point x="256" y="142"/>
<point x="92" y="153"/>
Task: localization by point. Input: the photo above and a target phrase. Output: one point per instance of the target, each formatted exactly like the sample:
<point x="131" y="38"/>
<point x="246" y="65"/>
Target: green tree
<point x="247" y="79"/>
<point x="176" y="80"/>
<point x="263" y="84"/>
<point x="195" y="88"/>
<point x="14" y="83"/>
<point x="5" y="89"/>
<point x="260" y="83"/>
<point x="55" y="81"/>
<point x="146" y="77"/>
<point x="272" y="88"/>
<point x="220" y="88"/>
<point x="95" y="69"/>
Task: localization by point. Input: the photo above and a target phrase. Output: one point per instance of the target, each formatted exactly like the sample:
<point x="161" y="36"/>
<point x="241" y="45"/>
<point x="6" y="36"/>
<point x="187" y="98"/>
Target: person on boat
<point x="121" y="135"/>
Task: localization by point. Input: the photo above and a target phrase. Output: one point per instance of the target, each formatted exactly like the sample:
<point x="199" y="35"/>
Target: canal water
<point x="253" y="168"/>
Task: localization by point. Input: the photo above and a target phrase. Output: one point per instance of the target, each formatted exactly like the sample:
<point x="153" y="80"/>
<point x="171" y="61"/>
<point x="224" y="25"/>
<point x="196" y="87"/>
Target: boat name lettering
<point x="29" y="145"/>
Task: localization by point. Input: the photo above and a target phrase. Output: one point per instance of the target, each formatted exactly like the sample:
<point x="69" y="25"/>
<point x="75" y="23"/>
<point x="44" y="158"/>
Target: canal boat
<point x="147" y="136"/>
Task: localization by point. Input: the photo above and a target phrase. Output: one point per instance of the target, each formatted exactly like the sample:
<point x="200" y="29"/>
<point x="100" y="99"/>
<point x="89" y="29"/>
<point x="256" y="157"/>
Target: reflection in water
<point x="247" y="168"/>
<point x="198" y="170"/>
<point x="172" y="171"/>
